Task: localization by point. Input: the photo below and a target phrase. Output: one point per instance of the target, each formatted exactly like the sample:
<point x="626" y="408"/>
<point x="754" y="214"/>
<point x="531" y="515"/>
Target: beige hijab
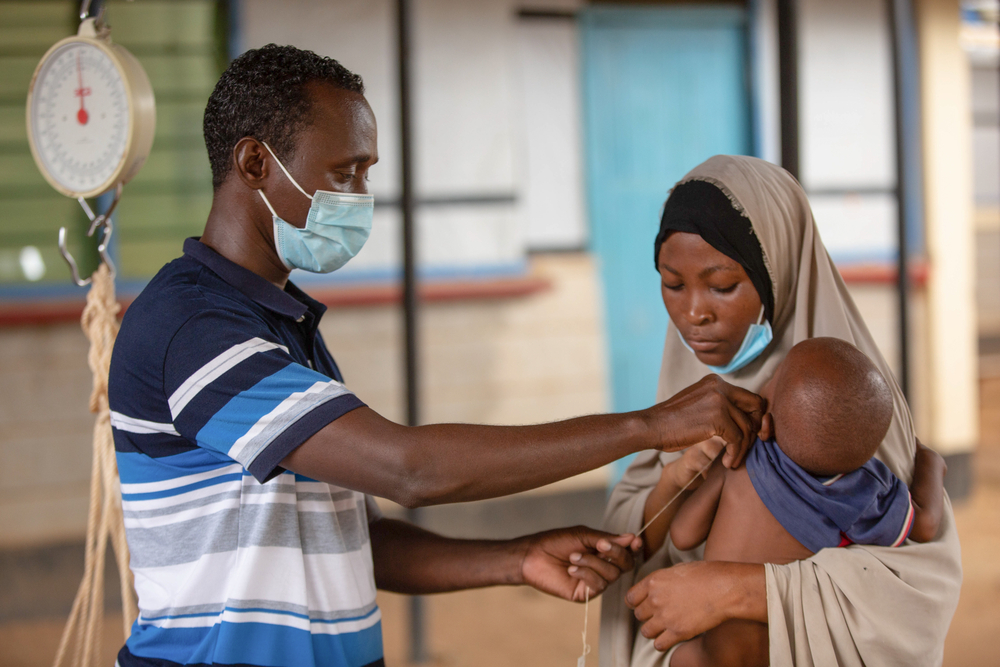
<point x="862" y="605"/>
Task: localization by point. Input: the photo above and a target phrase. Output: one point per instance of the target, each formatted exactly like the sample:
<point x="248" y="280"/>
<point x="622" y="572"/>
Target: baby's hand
<point x="695" y="460"/>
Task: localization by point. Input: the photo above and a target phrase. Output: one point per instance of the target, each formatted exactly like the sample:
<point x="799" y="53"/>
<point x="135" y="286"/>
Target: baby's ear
<point x="766" y="428"/>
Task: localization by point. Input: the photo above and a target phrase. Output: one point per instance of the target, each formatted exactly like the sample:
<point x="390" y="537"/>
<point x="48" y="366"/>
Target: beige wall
<point x="950" y="324"/>
<point x="515" y="360"/>
<point x="45" y="433"/>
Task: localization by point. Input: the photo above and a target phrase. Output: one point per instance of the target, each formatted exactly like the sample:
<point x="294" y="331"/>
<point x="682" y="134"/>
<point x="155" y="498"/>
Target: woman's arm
<point x="927" y="493"/>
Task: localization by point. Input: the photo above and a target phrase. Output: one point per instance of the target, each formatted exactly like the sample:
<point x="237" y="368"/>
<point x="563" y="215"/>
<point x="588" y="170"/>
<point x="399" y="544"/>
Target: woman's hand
<point x="680" y="602"/>
<point x="566" y="562"/>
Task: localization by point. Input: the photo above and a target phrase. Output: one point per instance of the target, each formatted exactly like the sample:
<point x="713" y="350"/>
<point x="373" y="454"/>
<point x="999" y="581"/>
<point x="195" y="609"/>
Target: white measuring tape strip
<point x="582" y="660"/>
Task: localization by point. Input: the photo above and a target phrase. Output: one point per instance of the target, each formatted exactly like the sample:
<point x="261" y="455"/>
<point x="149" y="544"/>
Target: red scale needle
<point x="81" y="92"/>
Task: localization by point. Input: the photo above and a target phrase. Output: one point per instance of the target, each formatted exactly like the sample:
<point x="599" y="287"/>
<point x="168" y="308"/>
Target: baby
<point x="830" y="408"/>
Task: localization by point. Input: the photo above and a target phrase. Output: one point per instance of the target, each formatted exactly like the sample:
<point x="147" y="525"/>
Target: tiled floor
<point x="507" y="626"/>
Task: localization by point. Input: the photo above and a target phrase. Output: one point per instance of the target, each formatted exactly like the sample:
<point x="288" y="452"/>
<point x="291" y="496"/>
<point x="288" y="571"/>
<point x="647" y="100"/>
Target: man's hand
<point x="683" y="601"/>
<point x="710" y="407"/>
<point x="566" y="562"/>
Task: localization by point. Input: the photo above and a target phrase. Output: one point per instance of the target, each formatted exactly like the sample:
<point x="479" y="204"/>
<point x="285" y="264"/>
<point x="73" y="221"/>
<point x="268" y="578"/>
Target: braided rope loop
<point x="104" y="520"/>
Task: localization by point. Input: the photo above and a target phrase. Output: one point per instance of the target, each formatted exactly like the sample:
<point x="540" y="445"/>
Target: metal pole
<point x="418" y="647"/>
<point x="901" y="25"/>
<point x="788" y="77"/>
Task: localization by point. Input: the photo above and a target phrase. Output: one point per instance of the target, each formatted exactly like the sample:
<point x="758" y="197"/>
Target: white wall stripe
<point x="215" y="368"/>
<point x="133" y="425"/>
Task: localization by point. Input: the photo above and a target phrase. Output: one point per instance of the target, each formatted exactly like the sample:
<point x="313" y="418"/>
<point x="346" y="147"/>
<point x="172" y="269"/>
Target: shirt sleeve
<point x="233" y="388"/>
<point x="372" y="509"/>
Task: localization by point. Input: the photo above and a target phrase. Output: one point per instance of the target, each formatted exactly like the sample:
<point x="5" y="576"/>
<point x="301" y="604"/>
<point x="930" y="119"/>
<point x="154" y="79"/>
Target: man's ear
<point x="250" y="162"/>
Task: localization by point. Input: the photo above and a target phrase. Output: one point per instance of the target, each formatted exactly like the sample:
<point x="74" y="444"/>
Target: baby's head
<point x="830" y="405"/>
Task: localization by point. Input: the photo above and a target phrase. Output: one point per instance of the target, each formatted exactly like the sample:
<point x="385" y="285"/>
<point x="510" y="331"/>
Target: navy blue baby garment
<point x="869" y="505"/>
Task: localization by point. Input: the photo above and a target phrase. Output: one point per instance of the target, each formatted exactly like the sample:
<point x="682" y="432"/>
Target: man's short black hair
<point x="262" y="94"/>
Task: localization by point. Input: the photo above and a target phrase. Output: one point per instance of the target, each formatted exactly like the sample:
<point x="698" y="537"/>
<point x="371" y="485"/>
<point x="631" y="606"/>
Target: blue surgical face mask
<point x="758" y="337"/>
<point x="336" y="228"/>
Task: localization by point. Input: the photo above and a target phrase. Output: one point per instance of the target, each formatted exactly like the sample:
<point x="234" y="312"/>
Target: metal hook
<point x="85" y="13"/>
<point x="102" y="221"/>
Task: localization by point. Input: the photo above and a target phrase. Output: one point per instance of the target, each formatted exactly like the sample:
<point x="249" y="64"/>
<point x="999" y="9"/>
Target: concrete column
<point x="951" y="357"/>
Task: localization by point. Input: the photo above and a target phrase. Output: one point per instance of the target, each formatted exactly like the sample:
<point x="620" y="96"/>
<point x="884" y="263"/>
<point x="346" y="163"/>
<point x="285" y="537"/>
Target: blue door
<point x="664" y="89"/>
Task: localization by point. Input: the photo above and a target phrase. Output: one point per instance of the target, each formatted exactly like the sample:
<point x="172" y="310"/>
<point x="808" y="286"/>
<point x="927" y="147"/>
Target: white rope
<point x="104" y="521"/>
<point x="582" y="660"/>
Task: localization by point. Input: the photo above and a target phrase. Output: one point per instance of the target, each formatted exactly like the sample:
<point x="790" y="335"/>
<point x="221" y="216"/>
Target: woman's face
<point x="709" y="297"/>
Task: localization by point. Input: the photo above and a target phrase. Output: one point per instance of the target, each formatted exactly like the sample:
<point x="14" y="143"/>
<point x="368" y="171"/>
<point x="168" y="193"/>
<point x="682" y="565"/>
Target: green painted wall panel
<point x="177" y="43"/>
<point x="161" y="23"/>
<point x="35" y="13"/>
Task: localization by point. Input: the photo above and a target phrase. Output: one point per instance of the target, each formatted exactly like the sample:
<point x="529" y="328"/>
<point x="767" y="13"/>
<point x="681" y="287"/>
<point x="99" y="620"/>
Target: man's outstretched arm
<point x="442" y="463"/>
<point x="560" y="562"/>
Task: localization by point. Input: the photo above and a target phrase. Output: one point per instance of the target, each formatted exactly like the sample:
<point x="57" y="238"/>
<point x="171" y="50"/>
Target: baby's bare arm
<point x="927" y="492"/>
<point x="694" y="518"/>
<point x="676" y="475"/>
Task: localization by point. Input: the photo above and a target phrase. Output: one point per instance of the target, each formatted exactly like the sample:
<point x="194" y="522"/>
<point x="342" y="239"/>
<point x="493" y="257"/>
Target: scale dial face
<point x="79" y="118"/>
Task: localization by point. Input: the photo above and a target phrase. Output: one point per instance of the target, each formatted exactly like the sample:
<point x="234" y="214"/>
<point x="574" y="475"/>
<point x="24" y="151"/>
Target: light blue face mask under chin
<point x="337" y="227"/>
<point x="757" y="338"/>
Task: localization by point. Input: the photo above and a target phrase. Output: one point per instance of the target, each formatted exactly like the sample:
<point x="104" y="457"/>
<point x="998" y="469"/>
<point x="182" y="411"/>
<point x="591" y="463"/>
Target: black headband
<point x="701" y="208"/>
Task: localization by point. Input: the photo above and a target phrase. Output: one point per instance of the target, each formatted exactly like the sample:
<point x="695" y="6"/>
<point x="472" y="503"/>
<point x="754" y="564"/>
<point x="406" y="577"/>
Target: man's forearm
<point x="427" y="465"/>
<point x="414" y="561"/>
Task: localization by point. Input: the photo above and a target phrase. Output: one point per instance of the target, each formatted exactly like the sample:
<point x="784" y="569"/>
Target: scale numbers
<point x="80" y="117"/>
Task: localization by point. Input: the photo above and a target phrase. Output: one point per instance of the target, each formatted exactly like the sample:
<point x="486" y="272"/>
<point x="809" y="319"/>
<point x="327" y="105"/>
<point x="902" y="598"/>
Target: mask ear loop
<point x="299" y="187"/>
<point x="760" y="318"/>
<point x="269" y="207"/>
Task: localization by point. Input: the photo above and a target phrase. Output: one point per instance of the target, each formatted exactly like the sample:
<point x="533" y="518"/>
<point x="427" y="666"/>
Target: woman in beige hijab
<point x="854" y="606"/>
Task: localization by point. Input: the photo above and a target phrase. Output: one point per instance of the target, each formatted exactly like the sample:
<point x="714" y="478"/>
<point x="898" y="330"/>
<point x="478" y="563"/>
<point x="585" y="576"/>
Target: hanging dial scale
<point x="91" y="118"/>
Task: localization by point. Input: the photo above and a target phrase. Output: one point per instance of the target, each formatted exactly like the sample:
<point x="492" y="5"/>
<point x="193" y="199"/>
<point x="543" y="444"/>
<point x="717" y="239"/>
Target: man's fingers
<point x="617" y="552"/>
<point x="592" y="579"/>
<point x="611" y="548"/>
<point x="607" y="571"/>
<point x="624" y="539"/>
<point x="630" y="542"/>
<point x="745" y="400"/>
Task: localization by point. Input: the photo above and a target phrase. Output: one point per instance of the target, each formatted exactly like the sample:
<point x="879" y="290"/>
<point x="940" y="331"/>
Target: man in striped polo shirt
<point x="247" y="466"/>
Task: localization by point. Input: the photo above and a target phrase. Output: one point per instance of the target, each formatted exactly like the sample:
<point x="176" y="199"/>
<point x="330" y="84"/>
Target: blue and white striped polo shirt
<point x="217" y="375"/>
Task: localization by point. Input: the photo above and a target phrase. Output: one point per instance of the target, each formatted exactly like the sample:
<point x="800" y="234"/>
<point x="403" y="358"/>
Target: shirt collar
<point x="290" y="302"/>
